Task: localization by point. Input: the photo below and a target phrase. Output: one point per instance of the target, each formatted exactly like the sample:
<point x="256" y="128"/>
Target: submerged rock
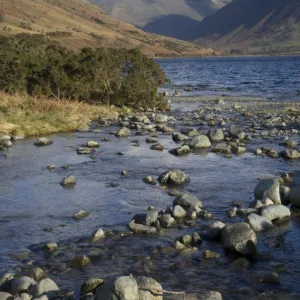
<point x="68" y="181"/>
<point x="85" y="151"/>
<point x="268" y="188"/>
<point x="80" y="214"/>
<point x="79" y="262"/>
<point x="239" y="238"/>
<point x="43" y="141"/>
<point x="173" y="177"/>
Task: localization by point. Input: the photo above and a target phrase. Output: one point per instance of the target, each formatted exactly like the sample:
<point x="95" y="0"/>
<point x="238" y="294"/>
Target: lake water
<point x="266" y="77"/>
<point x="35" y="209"/>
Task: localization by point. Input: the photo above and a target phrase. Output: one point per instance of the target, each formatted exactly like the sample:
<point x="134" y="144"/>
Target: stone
<point x="43" y="141"/>
<point x="290" y="144"/>
<point x="216" y="135"/>
<point x="149" y="289"/>
<point x="159" y="118"/>
<point x="199" y="142"/>
<point x="85" y="151"/>
<point x="5" y="137"/>
<point x="231" y="212"/>
<point x="68" y="181"/>
<point x="275" y="211"/>
<point x="123" y="132"/>
<point x="37" y="273"/>
<point x="5" y="144"/>
<point x="236" y="132"/>
<point x="141" y="229"/>
<point x="238" y="150"/>
<point x="125" y="288"/>
<point x="207" y="254"/>
<point x="222" y="148"/>
<point x="285" y="194"/>
<point x="196" y="238"/>
<point x="46" y="287"/>
<point x="21" y="284"/>
<point x="267" y="202"/>
<point x="92" y="144"/>
<point x="179" y="137"/>
<point x="6" y="277"/>
<point x="51" y="247"/>
<point x="141" y="119"/>
<point x="179" y="212"/>
<point x="80" y="214"/>
<point x="211" y="295"/>
<point x="91" y="285"/>
<point x="259" y="223"/>
<point x="187" y="201"/>
<point x="149" y="180"/>
<point x="179" y="246"/>
<point x="148" y="219"/>
<point x="182" y="150"/>
<point x="167" y="221"/>
<point x="51" y="167"/>
<point x="268" y="188"/>
<point x="213" y="231"/>
<point x="290" y="154"/>
<point x="97" y="235"/>
<point x="239" y="238"/>
<point x="187" y="239"/>
<point x="267" y="278"/>
<point x="157" y="147"/>
<point x="294" y="196"/>
<point x="79" y="262"/>
<point x="173" y="177"/>
<point x="6" y="296"/>
<point x="256" y="204"/>
<point x="151" y="140"/>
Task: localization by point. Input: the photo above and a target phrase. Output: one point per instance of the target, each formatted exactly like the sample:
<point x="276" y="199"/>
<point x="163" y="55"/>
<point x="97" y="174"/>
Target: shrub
<point x="40" y="66"/>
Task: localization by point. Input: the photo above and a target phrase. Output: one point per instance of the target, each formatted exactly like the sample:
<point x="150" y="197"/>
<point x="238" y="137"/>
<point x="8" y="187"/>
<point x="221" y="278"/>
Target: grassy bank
<point x="24" y="115"/>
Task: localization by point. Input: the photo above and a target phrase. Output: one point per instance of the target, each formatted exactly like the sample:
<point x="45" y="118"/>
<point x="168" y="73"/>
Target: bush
<point x="39" y="66"/>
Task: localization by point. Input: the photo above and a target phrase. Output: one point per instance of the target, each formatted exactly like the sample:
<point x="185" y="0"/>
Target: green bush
<point x="39" y="66"/>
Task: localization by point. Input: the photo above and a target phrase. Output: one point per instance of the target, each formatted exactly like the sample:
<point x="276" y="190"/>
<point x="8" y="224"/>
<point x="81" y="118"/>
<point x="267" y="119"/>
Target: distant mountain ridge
<point x="253" y="26"/>
<point x="172" y="18"/>
<point x="78" y="23"/>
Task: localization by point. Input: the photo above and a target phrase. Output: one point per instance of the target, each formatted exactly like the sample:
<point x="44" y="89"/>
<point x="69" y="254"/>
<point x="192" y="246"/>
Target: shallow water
<point x="31" y="200"/>
<point x="266" y="77"/>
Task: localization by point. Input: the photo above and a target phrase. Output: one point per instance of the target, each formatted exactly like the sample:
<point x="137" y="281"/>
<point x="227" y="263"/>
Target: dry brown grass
<point x="36" y="116"/>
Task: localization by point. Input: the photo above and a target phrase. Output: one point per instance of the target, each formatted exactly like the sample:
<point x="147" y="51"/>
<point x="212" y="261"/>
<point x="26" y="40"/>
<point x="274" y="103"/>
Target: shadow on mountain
<point x="175" y="26"/>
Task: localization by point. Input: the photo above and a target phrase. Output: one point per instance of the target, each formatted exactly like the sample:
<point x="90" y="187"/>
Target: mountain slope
<point x="253" y="26"/>
<point x="161" y="16"/>
<point x="78" y="24"/>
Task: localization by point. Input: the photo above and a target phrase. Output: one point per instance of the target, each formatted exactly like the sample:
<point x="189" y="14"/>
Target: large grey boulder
<point x="173" y="177"/>
<point x="259" y="223"/>
<point x="68" y="181"/>
<point x="149" y="289"/>
<point x="46" y="287"/>
<point x="199" y="142"/>
<point x="239" y="238"/>
<point x="21" y="284"/>
<point x="275" y="211"/>
<point x="178" y="212"/>
<point x="187" y="201"/>
<point x="294" y="196"/>
<point x="216" y="135"/>
<point x="268" y="188"/>
<point x="125" y="288"/>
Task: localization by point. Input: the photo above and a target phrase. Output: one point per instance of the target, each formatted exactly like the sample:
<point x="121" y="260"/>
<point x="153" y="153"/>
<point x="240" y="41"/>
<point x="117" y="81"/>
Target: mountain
<point x="78" y="24"/>
<point x="172" y="18"/>
<point x="253" y="27"/>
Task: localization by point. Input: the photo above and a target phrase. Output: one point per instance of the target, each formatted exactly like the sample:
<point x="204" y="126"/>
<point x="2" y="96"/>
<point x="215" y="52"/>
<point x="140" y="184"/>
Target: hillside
<point x="253" y="27"/>
<point x="78" y="24"/>
<point x="172" y="18"/>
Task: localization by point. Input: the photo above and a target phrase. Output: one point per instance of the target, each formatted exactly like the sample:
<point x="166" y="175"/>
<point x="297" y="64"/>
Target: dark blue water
<point x="266" y="77"/>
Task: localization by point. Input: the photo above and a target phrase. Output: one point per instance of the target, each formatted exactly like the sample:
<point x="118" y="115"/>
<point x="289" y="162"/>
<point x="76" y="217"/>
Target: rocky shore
<point x="230" y="128"/>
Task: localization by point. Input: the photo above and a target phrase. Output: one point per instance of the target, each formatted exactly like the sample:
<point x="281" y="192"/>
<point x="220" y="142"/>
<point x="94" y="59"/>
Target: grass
<point x="24" y="115"/>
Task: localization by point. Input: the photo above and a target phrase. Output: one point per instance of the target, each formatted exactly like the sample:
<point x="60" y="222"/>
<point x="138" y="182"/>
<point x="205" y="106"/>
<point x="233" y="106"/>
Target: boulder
<point x="85" y="151"/>
<point x="231" y="212"/>
<point x="149" y="289"/>
<point x="294" y="196"/>
<point x="5" y="137"/>
<point x="68" y="181"/>
<point x="151" y="140"/>
<point x="173" y="177"/>
<point x="259" y="223"/>
<point x="21" y="284"/>
<point x="125" y="288"/>
<point x="179" y="137"/>
<point x="180" y="151"/>
<point x="290" y="154"/>
<point x="236" y="132"/>
<point x="216" y="135"/>
<point x="211" y="295"/>
<point x="285" y="194"/>
<point x="238" y="150"/>
<point x="275" y="211"/>
<point x="37" y="273"/>
<point x="213" y="231"/>
<point x="207" y="254"/>
<point x="157" y="147"/>
<point x="187" y="201"/>
<point x="46" y="287"/>
<point x="239" y="238"/>
<point x="222" y="148"/>
<point x="43" y="141"/>
<point x="199" y="142"/>
<point x="123" y="132"/>
<point x="141" y="118"/>
<point x="161" y="118"/>
<point x="79" y="262"/>
<point x="166" y="221"/>
<point x="91" y="285"/>
<point x="97" y="235"/>
<point x="23" y="296"/>
<point x="50" y="247"/>
<point x="268" y="188"/>
<point x="80" y="214"/>
<point x="140" y="228"/>
<point x="179" y="212"/>
<point x="92" y="144"/>
<point x="148" y="219"/>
